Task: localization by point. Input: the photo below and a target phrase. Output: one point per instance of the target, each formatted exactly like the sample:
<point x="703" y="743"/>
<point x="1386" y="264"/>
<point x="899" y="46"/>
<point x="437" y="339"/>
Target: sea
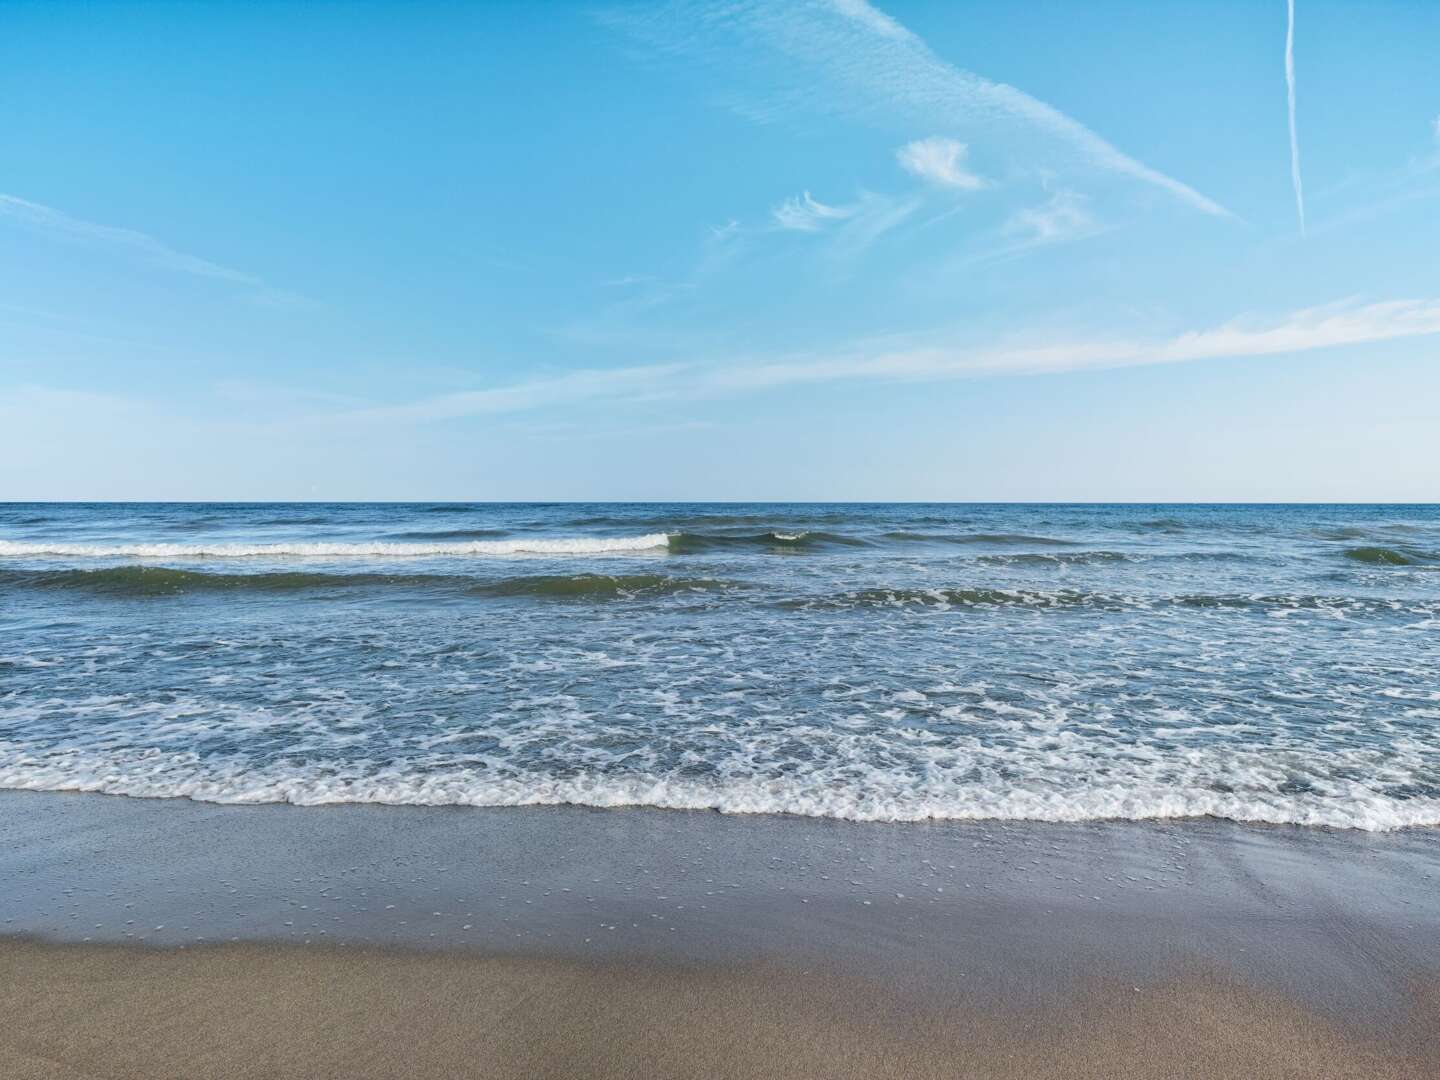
<point x="871" y="662"/>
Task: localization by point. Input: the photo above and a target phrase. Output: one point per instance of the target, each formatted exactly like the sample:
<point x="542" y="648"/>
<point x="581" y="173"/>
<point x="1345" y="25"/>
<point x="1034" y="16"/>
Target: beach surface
<point x="287" y="1011"/>
<point x="163" y="938"/>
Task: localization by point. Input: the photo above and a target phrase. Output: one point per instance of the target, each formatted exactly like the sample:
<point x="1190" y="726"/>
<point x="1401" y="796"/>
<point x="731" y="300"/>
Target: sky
<point x="830" y="250"/>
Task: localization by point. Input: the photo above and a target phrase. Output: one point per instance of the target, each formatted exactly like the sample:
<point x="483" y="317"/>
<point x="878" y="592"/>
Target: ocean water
<point x="872" y="662"/>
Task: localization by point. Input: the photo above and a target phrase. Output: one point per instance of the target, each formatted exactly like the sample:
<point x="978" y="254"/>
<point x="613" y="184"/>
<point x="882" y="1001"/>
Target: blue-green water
<point x="876" y="662"/>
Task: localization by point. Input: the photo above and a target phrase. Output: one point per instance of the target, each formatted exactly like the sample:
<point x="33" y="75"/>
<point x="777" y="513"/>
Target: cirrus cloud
<point x="939" y="160"/>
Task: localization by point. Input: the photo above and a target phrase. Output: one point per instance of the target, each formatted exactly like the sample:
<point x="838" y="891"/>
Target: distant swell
<point x="578" y="545"/>
<point x="144" y="581"/>
<point x="167" y="581"/>
<point x="957" y="598"/>
<point x="995" y="539"/>
<point x="1055" y="558"/>
<point x="1078" y="600"/>
<point x="450" y="534"/>
<point x="597" y="586"/>
<point x="776" y="540"/>
<point x="1384" y="556"/>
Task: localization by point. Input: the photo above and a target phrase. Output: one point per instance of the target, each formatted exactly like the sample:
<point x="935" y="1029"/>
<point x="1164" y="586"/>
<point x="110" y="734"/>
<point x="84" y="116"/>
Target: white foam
<point x="848" y="788"/>
<point x="563" y="545"/>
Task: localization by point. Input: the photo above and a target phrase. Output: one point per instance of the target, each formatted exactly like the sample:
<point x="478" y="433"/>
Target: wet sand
<point x="394" y="942"/>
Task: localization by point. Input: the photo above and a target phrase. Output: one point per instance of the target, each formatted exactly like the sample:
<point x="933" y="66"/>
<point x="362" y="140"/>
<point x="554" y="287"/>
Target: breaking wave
<point x="688" y="543"/>
<point x="564" y="545"/>
<point x="847" y="780"/>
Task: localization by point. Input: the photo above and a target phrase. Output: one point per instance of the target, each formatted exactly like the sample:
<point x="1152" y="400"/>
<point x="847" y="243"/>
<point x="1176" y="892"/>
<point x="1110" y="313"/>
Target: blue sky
<point x="826" y="250"/>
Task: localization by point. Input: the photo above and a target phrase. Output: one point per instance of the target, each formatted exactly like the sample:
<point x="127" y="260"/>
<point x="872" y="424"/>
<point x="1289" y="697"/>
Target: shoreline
<point x="1104" y="949"/>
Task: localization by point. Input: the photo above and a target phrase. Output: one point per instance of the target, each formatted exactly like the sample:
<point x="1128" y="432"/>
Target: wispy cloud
<point x="853" y="228"/>
<point x="721" y="234"/>
<point x="874" y="217"/>
<point x="908" y="71"/>
<point x="871" y="65"/>
<point x="804" y="213"/>
<point x="1290" y="96"/>
<point x="1305" y="330"/>
<point x="1064" y="216"/>
<point x="141" y="245"/>
<point x="940" y="160"/>
<point x="633" y="384"/>
<point x="1374" y="193"/>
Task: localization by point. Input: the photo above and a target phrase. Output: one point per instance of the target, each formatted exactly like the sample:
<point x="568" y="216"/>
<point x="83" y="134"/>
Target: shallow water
<point x="873" y="662"/>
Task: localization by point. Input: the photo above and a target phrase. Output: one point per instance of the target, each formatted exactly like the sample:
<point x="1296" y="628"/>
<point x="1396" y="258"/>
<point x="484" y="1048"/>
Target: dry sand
<point x="293" y="1011"/>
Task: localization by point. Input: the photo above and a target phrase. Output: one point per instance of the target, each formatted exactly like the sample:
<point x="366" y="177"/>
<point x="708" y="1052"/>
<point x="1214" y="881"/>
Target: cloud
<point x="1299" y="331"/>
<point x="633" y="384"/>
<point x="875" y="20"/>
<point x="908" y="72"/>
<point x="852" y="228"/>
<point x="1290" y="96"/>
<point x="1063" y="217"/>
<point x="939" y="160"/>
<point x="143" y="246"/>
<point x="865" y="63"/>
<point x="720" y="234"/>
<point x="802" y="213"/>
<point x="1310" y="328"/>
<point x="873" y="217"/>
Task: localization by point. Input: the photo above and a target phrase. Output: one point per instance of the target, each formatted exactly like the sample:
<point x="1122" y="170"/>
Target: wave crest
<point x="1384" y="556"/>
<point x="1242" y="786"/>
<point x="563" y="545"/>
<point x="685" y="543"/>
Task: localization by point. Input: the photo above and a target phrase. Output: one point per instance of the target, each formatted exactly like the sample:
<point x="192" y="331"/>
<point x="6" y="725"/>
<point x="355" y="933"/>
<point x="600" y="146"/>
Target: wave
<point x="598" y="586"/>
<point x="451" y="534"/>
<point x="1384" y="556"/>
<point x="577" y="545"/>
<point x="1012" y="539"/>
<point x="954" y="598"/>
<point x="1080" y="558"/>
<point x="776" y="540"/>
<point x="1073" y="599"/>
<point x="1249" y="786"/>
<point x="142" y="581"/>
<point x="1065" y="558"/>
<point x="168" y="581"/>
<point x="685" y="521"/>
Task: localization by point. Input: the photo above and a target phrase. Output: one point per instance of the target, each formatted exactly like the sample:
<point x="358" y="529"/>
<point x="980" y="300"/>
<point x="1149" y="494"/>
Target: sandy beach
<point x="719" y="540"/>
<point x="288" y="1011"/>
<point x="163" y="939"/>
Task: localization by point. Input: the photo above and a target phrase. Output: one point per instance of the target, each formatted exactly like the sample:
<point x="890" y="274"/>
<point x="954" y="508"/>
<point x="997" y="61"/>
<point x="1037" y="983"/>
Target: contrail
<point x="1294" y="139"/>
